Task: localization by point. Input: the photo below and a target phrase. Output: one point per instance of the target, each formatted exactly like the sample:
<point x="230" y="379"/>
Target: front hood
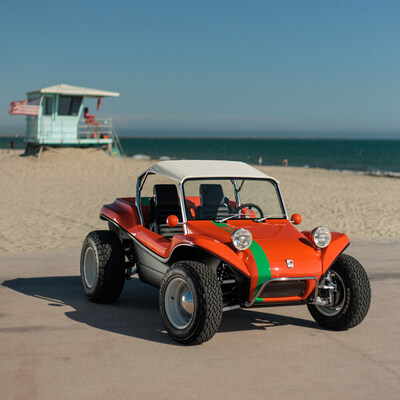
<point x="277" y="246"/>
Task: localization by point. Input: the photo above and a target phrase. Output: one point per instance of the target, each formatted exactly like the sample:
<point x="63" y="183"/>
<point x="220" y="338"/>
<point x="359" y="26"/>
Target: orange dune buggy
<point x="214" y="236"/>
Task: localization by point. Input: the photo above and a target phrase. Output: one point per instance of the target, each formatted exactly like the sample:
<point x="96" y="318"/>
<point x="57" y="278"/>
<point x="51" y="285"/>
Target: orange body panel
<point x="328" y="255"/>
<point x="278" y="239"/>
<point x="123" y="212"/>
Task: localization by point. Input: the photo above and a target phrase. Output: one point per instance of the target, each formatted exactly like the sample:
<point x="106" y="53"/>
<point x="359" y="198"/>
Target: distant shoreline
<point x="378" y="157"/>
<point x="233" y="135"/>
<point x="142" y="157"/>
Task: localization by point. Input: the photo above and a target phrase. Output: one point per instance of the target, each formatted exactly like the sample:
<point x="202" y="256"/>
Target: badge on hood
<point x="290" y="264"/>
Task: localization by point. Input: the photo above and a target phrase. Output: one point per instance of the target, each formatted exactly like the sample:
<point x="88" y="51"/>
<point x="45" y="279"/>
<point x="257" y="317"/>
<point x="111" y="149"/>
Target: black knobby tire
<point x="197" y="282"/>
<point x="102" y="266"/>
<point x="354" y="301"/>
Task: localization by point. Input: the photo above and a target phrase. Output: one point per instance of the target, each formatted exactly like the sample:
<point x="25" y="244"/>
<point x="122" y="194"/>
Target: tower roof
<point x="62" y="88"/>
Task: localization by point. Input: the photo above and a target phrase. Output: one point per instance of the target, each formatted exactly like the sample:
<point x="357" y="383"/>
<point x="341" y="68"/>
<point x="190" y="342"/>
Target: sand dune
<point x="55" y="201"/>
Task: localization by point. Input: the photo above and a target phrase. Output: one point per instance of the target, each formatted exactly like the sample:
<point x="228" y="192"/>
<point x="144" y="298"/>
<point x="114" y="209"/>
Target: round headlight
<point x="322" y="236"/>
<point x="242" y="239"/>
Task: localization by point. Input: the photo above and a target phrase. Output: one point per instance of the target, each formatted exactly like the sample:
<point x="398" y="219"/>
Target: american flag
<point x="25" y="107"/>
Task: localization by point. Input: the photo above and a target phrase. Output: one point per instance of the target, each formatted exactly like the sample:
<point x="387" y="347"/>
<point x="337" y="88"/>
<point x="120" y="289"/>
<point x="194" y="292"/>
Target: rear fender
<point x="123" y="212"/>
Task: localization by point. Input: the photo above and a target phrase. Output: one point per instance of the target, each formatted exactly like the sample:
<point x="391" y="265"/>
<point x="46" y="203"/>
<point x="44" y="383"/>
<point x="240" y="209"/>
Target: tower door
<point x="48" y="118"/>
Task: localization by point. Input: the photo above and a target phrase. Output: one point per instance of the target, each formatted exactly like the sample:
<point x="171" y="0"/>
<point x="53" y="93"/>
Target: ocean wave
<point x="388" y="174"/>
<point x="141" y="157"/>
<point x="377" y="173"/>
<point x="146" y="157"/>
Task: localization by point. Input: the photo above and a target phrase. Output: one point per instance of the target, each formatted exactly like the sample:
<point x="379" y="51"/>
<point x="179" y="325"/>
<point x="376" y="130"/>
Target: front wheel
<point x="190" y="302"/>
<point x="351" y="298"/>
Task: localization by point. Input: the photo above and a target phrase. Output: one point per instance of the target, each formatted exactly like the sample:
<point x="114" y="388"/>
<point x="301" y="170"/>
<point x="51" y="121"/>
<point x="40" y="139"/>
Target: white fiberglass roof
<point x="179" y="170"/>
<point x="62" y="88"/>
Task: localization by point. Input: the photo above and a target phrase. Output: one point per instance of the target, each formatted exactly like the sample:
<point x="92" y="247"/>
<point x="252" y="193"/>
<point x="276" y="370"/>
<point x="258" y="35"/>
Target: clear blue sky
<point x="316" y="67"/>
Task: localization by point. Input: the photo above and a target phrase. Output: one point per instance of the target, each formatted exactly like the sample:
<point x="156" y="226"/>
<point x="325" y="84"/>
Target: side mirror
<point x="295" y="219"/>
<point x="172" y="221"/>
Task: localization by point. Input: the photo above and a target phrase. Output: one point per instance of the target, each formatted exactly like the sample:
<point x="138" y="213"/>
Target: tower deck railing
<point x="100" y="128"/>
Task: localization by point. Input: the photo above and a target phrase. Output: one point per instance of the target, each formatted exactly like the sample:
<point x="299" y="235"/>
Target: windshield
<point x="223" y="199"/>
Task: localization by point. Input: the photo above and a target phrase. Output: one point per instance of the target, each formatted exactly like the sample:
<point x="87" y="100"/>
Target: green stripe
<point x="262" y="262"/>
<point x="224" y="226"/>
<point x="261" y="259"/>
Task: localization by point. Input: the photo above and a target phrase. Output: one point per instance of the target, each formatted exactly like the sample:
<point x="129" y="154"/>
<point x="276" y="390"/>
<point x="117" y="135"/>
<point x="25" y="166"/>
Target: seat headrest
<point x="211" y="195"/>
<point x="165" y="195"/>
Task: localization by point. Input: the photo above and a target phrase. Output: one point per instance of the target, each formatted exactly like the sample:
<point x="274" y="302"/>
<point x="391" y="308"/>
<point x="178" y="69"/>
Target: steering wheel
<point x="250" y="206"/>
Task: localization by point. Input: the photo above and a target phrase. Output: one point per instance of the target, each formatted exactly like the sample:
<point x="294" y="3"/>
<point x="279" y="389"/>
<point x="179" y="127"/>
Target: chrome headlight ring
<point x="242" y="239"/>
<point x="322" y="237"/>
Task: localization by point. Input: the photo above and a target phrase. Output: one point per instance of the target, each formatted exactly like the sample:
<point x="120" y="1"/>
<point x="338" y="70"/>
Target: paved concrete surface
<point x="54" y="344"/>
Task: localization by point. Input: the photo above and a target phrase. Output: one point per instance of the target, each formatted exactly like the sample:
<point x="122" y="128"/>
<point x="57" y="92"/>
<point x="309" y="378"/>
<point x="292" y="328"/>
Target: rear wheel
<point x="351" y="298"/>
<point x="102" y="266"/>
<point x="191" y="302"/>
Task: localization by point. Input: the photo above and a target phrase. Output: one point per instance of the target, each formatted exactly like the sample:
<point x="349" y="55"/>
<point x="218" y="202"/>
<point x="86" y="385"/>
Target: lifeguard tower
<point x="55" y="117"/>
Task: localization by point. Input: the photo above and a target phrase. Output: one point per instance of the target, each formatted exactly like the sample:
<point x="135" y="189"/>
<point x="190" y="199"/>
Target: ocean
<point x="377" y="157"/>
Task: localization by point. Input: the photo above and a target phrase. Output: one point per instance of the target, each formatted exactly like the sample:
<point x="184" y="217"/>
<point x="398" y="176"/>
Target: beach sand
<point x="54" y="201"/>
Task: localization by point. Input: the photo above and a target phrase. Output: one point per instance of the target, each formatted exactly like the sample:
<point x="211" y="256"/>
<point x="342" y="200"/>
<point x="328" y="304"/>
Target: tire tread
<point x="111" y="273"/>
<point x="210" y="305"/>
<point x="358" y="296"/>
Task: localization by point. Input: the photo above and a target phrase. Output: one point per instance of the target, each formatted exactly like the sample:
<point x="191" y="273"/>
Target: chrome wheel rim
<point x="339" y="297"/>
<point x="179" y="303"/>
<point x="89" y="267"/>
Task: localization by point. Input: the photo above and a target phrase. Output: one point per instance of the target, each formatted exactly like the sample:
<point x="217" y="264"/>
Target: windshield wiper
<point x="236" y="215"/>
<point x="226" y="219"/>
<point x="263" y="219"/>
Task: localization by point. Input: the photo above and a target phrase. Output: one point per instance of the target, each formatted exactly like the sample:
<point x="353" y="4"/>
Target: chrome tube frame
<point x="282" y="201"/>
<point x="183" y="208"/>
<point x="305" y="278"/>
<point x="139" y="186"/>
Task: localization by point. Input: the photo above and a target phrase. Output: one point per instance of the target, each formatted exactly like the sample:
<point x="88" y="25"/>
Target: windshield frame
<point x="234" y="180"/>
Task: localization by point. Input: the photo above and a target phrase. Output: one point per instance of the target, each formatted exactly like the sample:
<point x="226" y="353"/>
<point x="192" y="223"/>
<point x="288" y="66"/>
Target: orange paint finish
<point x="219" y="243"/>
<point x="338" y="244"/>
<point x="280" y="242"/>
<point x="218" y="249"/>
<point x="328" y="255"/>
<point x="153" y="241"/>
<point x="191" y="203"/>
<point x="122" y="211"/>
<point x="296" y="219"/>
<point x="164" y="247"/>
<point x="172" y="221"/>
<point x="278" y="239"/>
